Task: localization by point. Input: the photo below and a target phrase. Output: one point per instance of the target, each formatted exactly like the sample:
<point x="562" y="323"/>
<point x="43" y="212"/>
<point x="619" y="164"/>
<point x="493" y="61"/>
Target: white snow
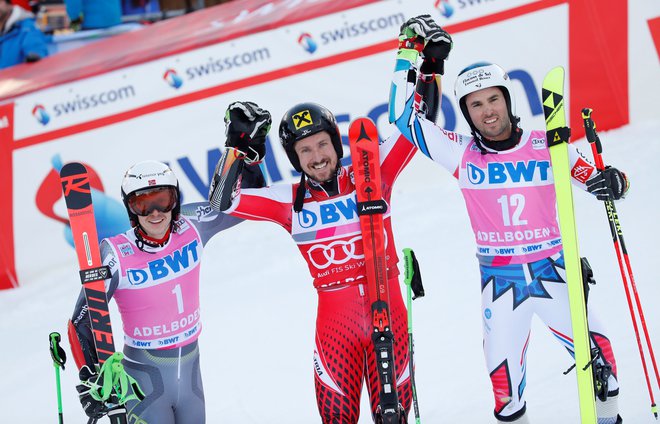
<point x="258" y="309"/>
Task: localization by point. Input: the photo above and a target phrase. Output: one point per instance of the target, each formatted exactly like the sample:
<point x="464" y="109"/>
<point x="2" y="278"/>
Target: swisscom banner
<point x="171" y="108"/>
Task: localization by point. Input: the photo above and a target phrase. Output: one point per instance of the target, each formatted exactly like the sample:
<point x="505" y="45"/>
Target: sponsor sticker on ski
<point x="94" y="274"/>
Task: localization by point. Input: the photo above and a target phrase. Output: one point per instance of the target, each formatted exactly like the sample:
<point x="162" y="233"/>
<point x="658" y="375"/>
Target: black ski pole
<point x="620" y="249"/>
<point x="59" y="359"/>
<point x="414" y="289"/>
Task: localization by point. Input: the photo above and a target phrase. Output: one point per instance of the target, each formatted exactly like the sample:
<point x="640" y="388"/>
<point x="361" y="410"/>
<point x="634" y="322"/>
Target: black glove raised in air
<point x="437" y="42"/>
<point x="246" y="127"/>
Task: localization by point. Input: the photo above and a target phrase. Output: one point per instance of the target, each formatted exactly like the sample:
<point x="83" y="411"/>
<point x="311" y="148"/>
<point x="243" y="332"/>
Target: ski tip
<point x="362" y="129"/>
<point x="73" y="168"/>
<point x="553" y="77"/>
<point x="557" y="70"/>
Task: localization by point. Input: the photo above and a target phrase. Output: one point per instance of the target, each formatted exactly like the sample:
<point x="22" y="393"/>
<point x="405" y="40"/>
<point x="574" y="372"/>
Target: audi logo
<point x="338" y="252"/>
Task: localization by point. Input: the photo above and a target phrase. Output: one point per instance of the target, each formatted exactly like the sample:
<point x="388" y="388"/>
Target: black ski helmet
<point x="303" y="120"/>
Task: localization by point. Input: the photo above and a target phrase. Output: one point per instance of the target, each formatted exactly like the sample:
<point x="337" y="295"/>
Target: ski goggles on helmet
<point x="144" y="202"/>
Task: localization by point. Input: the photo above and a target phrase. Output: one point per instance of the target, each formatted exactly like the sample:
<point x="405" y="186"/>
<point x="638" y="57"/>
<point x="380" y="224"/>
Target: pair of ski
<point x="371" y="207"/>
<point x="78" y="198"/>
<point x="557" y="135"/>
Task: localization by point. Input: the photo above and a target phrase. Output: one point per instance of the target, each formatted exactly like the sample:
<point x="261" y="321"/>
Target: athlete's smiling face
<point x="317" y="156"/>
<point x="156" y="223"/>
<point x="489" y="114"/>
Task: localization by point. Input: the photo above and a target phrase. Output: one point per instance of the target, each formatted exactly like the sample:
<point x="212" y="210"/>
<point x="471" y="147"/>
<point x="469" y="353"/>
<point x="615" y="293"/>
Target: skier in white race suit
<point x="506" y="178"/>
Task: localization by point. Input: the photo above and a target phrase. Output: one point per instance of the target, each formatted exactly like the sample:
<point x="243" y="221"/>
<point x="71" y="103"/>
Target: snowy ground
<point x="258" y="308"/>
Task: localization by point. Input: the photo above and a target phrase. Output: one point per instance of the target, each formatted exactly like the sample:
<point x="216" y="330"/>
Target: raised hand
<point x="246" y="127"/>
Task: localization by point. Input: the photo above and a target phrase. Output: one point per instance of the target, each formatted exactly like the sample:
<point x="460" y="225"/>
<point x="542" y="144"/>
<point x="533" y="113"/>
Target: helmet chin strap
<point x="330" y="186"/>
<point x="143" y="238"/>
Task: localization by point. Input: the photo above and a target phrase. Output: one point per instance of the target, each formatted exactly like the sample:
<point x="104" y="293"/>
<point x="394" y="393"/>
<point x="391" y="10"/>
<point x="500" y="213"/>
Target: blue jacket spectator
<point x="94" y="14"/>
<point x="20" y="39"/>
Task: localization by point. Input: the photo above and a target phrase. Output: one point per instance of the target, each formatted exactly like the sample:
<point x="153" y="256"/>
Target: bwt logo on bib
<point x="328" y="213"/>
<point x="508" y="172"/>
<point x="177" y="261"/>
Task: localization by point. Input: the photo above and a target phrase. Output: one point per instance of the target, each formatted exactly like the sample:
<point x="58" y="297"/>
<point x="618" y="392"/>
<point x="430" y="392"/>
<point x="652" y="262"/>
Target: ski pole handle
<point x="59" y="359"/>
<point x="592" y="138"/>
<point x="56" y="352"/>
<point x="413" y="277"/>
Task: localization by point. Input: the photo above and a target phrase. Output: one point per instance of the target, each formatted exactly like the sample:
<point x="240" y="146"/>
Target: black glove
<point x="608" y="184"/>
<point x="246" y="127"/>
<point x="88" y="380"/>
<point x="434" y="55"/>
<point x="438" y="42"/>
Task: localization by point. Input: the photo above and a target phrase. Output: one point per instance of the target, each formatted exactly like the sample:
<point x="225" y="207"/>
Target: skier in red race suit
<point x="320" y="214"/>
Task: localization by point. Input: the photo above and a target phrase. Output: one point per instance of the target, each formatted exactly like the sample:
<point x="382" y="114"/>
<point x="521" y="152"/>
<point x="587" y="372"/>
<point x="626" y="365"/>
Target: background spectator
<point x="21" y="41"/>
<point x="93" y="14"/>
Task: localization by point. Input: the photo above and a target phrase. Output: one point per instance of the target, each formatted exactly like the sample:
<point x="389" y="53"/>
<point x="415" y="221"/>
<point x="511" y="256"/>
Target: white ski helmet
<point x="479" y="76"/>
<point x="149" y="174"/>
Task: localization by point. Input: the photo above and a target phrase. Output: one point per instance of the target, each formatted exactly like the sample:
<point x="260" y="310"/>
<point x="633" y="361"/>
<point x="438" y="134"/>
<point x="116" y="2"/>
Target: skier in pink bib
<point x="505" y="176"/>
<point x="155" y="281"/>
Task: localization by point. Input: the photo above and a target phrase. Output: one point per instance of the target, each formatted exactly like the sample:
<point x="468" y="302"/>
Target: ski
<point x="363" y="137"/>
<point x="557" y="135"/>
<point x="78" y="199"/>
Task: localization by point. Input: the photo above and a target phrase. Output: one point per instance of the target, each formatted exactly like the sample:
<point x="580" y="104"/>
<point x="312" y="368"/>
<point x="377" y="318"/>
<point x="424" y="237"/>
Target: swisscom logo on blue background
<point x="172" y="78"/>
<point x="40" y="114"/>
<point x="307" y="42"/>
<point x="444" y="8"/>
